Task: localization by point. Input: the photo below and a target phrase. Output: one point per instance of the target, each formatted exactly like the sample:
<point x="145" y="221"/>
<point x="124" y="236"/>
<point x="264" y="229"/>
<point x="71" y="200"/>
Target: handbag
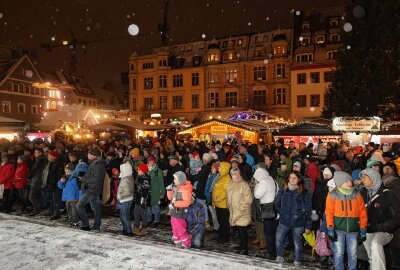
<point x="267" y="211"/>
<point x="321" y="245"/>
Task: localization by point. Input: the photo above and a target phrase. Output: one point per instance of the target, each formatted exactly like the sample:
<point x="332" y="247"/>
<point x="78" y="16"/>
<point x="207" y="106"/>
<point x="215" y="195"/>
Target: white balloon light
<point x="133" y="30"/>
<point x="347" y="27"/>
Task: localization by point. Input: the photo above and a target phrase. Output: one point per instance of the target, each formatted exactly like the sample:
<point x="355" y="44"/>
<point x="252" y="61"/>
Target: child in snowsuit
<point x="196" y="223"/>
<point x="180" y="194"/>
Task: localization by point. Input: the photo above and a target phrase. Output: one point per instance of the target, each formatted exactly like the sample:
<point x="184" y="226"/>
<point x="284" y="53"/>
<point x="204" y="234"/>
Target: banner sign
<point x="371" y="124"/>
<point x="216" y="130"/>
<point x="308" y="139"/>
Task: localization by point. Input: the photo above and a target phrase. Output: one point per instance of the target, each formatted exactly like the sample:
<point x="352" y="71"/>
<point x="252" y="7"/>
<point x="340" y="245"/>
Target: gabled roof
<point x="15" y="65"/>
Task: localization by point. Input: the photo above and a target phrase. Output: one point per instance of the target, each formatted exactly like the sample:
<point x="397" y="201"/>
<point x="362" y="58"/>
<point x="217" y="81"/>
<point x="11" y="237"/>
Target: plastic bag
<point x="321" y="245"/>
<point x="310" y="238"/>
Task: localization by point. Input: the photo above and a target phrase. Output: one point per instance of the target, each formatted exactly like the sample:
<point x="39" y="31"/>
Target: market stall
<point x="307" y="132"/>
<point x="10" y="128"/>
<point x="357" y="130"/>
<point x="223" y="129"/>
<point x="390" y="133"/>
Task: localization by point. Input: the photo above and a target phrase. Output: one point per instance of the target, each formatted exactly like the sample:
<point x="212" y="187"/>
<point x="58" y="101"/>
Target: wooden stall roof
<point x="307" y="128"/>
<point x="250" y="125"/>
<point x="126" y="125"/>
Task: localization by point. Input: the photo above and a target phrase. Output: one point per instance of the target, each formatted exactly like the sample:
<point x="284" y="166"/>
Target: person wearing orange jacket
<point x="180" y="195"/>
<point x="20" y="180"/>
<point x="346" y="217"/>
<point x="7" y="172"/>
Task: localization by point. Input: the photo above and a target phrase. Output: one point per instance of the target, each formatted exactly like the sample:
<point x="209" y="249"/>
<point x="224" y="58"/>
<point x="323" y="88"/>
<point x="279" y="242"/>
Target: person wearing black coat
<point x="54" y="171"/>
<point x="35" y="178"/>
<point x="174" y="166"/>
<point x="245" y="169"/>
<point x="142" y="197"/>
<point x="383" y="216"/>
<point x="202" y="178"/>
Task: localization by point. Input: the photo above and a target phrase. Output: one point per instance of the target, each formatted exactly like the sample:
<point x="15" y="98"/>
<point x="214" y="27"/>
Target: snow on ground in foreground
<point x="26" y="245"/>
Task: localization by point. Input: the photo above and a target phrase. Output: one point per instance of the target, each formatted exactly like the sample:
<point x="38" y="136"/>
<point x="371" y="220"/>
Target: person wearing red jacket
<point x="7" y="171"/>
<point x="20" y="180"/>
<point x="311" y="171"/>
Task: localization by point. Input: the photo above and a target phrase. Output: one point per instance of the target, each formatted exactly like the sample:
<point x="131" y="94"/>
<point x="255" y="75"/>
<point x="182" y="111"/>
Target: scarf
<point x="292" y="187"/>
<point x="344" y="191"/>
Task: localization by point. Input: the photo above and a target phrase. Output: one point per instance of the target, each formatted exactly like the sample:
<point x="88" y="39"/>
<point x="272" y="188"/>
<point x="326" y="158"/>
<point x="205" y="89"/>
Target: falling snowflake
<point x="266" y="61"/>
<point x="133" y="29"/>
<point x="54" y="23"/>
<point x="128" y="16"/>
<point x="298" y="12"/>
<point x="5" y="23"/>
<point x="53" y="38"/>
<point x="208" y="4"/>
<point x="249" y="23"/>
<point x="347" y="27"/>
<point x="31" y="36"/>
<point x="267" y="18"/>
<point x="203" y="35"/>
<point x="1" y="15"/>
<point x="88" y="28"/>
<point x="133" y="14"/>
<point x="222" y="10"/>
<point x="301" y="38"/>
<point x="348" y="47"/>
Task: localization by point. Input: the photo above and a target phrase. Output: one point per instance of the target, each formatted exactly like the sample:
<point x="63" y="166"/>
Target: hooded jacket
<point x="7" y="171"/>
<point x="382" y="208"/>
<point x="142" y="190"/>
<point x="266" y="188"/>
<point x="221" y="186"/>
<point x="70" y="188"/>
<point x="182" y="196"/>
<point x="35" y="175"/>
<point x="21" y="175"/>
<point x="94" y="177"/>
<point x="239" y="199"/>
<point x="157" y="185"/>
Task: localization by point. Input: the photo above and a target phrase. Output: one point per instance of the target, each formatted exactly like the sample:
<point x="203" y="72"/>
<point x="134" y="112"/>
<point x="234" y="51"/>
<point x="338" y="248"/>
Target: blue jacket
<point x="294" y="208"/>
<point x="71" y="191"/>
<point x="196" y="219"/>
<point x="210" y="181"/>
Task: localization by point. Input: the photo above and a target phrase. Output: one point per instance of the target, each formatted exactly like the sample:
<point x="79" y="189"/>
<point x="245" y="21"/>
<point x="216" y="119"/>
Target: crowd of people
<point x="347" y="197"/>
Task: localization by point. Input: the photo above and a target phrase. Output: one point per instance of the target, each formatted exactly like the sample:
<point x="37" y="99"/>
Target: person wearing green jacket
<point x="283" y="171"/>
<point x="157" y="192"/>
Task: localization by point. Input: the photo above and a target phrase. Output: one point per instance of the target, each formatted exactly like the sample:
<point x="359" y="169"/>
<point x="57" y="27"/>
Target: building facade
<point x="213" y="79"/>
<point x="316" y="44"/>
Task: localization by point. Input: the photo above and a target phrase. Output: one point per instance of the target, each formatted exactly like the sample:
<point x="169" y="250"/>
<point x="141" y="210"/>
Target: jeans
<point x="198" y="239"/>
<point x="55" y="202"/>
<point x="73" y="215"/>
<point x="140" y="214"/>
<point x="374" y="246"/>
<point x="351" y="242"/>
<point x="125" y="215"/>
<point x="204" y="204"/>
<point x="270" y="234"/>
<point x="153" y="210"/>
<point x="224" y="227"/>
<point x="297" y="233"/>
<point x="214" y="217"/>
<point x="94" y="201"/>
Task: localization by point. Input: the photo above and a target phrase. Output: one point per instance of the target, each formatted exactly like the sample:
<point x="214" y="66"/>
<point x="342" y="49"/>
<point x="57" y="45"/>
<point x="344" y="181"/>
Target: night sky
<point x="30" y="23"/>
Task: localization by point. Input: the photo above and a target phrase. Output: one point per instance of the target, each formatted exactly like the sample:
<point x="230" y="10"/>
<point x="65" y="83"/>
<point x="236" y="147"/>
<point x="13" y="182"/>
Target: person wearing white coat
<point x="265" y="190"/>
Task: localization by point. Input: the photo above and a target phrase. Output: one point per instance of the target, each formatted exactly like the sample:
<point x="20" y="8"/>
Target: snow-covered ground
<point x="29" y="244"/>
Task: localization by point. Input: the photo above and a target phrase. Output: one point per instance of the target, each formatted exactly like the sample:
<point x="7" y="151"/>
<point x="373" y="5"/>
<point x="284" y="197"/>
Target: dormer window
<point x="320" y="39"/>
<point x="334" y="23"/>
<point x="305" y="26"/>
<point x="279" y="50"/>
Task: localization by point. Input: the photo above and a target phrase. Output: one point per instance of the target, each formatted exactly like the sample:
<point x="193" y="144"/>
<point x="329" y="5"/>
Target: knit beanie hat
<point x="297" y="163"/>
<point x="95" y="151"/>
<point x="195" y="154"/>
<point x="377" y="156"/>
<point x="70" y="167"/>
<point x="143" y="168"/>
<point x="180" y="176"/>
<point x="372" y="163"/>
<point x="356" y="174"/>
<point x="55" y="154"/>
<point x="340" y="177"/>
<point x="135" y="152"/>
<point x="327" y="171"/>
<point x="207" y="157"/>
<point x="150" y="158"/>
<point x="393" y="166"/>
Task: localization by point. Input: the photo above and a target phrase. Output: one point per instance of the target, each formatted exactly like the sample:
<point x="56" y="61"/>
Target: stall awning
<point x="126" y="125"/>
<point x="307" y="129"/>
<point x="11" y="125"/>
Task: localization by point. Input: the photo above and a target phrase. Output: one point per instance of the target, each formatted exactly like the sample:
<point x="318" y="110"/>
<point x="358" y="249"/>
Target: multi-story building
<point x="213" y="78"/>
<point x="24" y="92"/>
<point x="316" y="43"/>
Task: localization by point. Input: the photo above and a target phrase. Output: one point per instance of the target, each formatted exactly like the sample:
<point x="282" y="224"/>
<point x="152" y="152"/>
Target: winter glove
<point x="171" y="186"/>
<point x="332" y="234"/>
<point x="362" y="236"/>
<point x="171" y="206"/>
